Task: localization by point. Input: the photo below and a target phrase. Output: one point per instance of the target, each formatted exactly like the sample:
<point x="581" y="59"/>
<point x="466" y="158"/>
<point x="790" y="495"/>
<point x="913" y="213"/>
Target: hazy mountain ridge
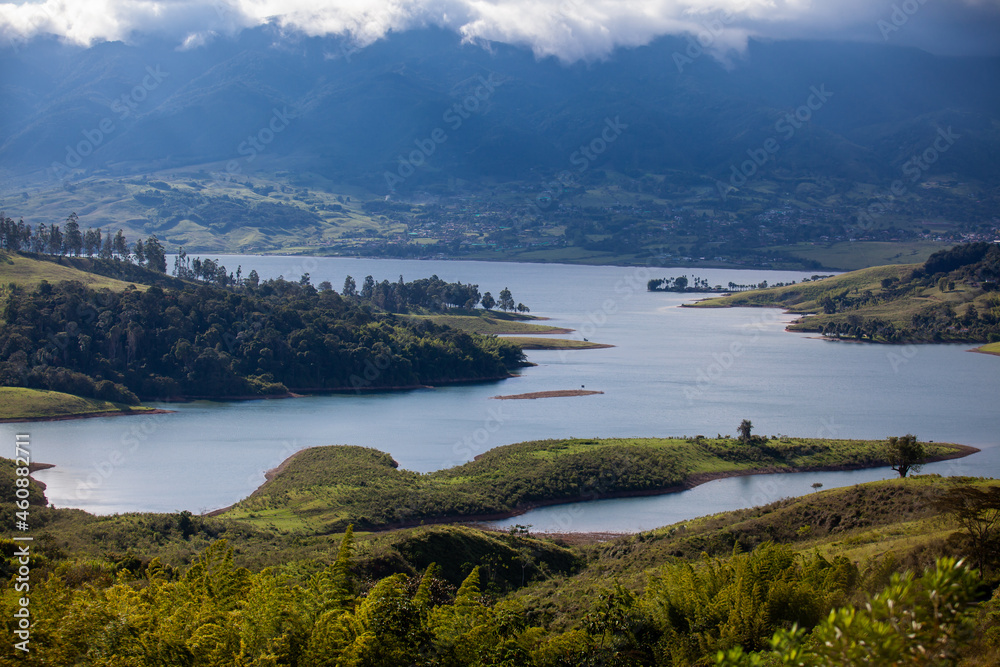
<point x="357" y="111"/>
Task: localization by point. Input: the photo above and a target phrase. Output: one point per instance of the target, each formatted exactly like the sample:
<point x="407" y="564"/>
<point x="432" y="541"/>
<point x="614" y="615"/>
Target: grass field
<point x="991" y="348"/>
<point x="19" y="403"/>
<point x="27" y="272"/>
<point x="324" y="489"/>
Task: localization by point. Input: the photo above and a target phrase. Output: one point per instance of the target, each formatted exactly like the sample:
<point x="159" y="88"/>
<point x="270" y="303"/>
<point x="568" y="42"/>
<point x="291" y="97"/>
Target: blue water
<point x="673" y="371"/>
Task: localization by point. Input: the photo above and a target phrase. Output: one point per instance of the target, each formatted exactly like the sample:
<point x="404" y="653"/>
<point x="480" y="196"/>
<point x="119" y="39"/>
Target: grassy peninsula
<point x="991" y="348"/>
<point x="953" y="296"/>
<point x="20" y="404"/>
<point x="324" y="489"/>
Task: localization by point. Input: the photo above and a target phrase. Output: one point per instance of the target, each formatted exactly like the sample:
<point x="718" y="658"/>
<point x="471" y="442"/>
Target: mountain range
<point x="491" y="112"/>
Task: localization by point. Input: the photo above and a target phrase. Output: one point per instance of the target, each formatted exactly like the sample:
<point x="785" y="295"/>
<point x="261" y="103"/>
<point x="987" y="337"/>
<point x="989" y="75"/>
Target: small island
<point x="559" y="393"/>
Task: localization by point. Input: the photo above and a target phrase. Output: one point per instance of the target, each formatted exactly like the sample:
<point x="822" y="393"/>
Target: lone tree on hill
<point x="904" y="454"/>
<point x="977" y="510"/>
<point x="744" y="430"/>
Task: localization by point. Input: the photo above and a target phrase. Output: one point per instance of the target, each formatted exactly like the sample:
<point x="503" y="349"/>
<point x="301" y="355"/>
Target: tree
<point x="73" y="239"/>
<point x="350" y="287"/>
<point x="106" y="250"/>
<point x="55" y="241"/>
<point x="40" y="241"/>
<point x="521" y="308"/>
<point x="120" y="246"/>
<point x="252" y="278"/>
<point x="92" y="242"/>
<point x="326" y="286"/>
<point x="140" y="253"/>
<point x="904" y="454"/>
<point x="744" y="430"/>
<point x="506" y="300"/>
<point x="488" y="301"/>
<point x="978" y="512"/>
<point x="156" y="256"/>
<point x="368" y="288"/>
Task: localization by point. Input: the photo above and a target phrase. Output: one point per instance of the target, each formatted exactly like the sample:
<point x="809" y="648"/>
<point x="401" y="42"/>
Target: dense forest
<point x="203" y="340"/>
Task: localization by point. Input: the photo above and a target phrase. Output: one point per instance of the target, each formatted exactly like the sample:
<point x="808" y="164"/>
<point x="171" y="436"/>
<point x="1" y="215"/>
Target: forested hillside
<point x="203" y="340"/>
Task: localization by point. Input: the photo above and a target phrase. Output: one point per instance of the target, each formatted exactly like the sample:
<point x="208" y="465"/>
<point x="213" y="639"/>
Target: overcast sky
<point x="568" y="29"/>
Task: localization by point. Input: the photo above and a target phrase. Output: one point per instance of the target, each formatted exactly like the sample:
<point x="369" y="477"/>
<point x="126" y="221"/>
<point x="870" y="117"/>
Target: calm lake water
<point x="673" y="371"/>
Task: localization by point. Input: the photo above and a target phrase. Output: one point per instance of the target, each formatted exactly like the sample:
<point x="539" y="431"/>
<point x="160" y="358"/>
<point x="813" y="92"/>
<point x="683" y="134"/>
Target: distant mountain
<point x="318" y="104"/>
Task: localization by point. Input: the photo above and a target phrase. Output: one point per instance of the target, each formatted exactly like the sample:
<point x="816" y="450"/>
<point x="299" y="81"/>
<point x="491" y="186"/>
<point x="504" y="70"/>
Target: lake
<point x="673" y="371"/>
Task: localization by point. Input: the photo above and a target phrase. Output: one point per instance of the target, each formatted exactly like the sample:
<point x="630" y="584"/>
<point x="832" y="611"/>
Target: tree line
<point x="696" y="284"/>
<point x="431" y="293"/>
<point x="70" y="239"/>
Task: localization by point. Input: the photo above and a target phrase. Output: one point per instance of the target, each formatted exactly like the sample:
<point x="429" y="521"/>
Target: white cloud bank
<point x="568" y="29"/>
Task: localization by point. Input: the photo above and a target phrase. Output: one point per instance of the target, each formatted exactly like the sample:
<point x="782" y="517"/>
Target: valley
<point x="464" y="334"/>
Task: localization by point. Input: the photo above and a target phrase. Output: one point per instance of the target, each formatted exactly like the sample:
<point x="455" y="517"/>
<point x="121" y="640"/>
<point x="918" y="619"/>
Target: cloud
<point x="567" y="29"/>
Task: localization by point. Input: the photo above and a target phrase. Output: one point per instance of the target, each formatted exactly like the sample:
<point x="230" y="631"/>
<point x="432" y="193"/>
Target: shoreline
<point x="269" y="474"/>
<point x="697" y="479"/>
<point x="301" y="392"/>
<point x="87" y="415"/>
